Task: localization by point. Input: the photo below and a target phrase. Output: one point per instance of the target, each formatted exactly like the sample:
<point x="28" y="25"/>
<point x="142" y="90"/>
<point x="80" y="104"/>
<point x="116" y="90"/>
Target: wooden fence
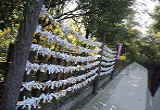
<point x="57" y="67"/>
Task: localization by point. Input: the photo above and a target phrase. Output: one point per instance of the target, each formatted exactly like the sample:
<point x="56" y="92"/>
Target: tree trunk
<point x="20" y="54"/>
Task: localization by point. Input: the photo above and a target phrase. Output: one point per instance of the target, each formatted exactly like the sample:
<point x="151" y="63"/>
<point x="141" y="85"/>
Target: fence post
<point x="96" y="81"/>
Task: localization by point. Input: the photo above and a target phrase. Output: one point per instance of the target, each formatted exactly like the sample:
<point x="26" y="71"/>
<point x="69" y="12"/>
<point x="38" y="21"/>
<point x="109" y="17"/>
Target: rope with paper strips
<point x="86" y="62"/>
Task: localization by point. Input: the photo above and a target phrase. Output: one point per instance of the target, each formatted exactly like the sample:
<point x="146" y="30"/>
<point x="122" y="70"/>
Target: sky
<point x="143" y="8"/>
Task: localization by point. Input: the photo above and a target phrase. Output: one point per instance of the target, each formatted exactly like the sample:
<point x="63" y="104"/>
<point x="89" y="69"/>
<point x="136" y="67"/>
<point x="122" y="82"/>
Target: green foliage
<point x="106" y="16"/>
<point x="6" y="37"/>
<point x="156" y="16"/>
<point x="10" y="12"/>
<point x="149" y="51"/>
<point x="99" y="17"/>
<point x="142" y="52"/>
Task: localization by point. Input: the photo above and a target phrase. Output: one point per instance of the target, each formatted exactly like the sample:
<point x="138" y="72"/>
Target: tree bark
<point x="20" y="54"/>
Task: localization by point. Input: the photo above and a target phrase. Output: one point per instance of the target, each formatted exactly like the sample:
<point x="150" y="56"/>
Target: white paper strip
<point x="50" y="69"/>
<point x="67" y="29"/>
<point x="106" y="73"/>
<point x="107" y="63"/>
<point x="46" y="51"/>
<point x="108" y="59"/>
<point x="56" y="84"/>
<point x="109" y="50"/>
<point x="34" y="102"/>
<point x="107" y="68"/>
<point x="108" y="54"/>
<point x="64" y="43"/>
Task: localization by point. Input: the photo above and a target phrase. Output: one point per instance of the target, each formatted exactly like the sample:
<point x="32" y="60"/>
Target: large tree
<point x="20" y="54"/>
<point x="106" y="16"/>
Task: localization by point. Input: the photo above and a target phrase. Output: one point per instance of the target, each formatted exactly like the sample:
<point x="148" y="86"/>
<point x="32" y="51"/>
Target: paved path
<point x="98" y="102"/>
<point x="128" y="91"/>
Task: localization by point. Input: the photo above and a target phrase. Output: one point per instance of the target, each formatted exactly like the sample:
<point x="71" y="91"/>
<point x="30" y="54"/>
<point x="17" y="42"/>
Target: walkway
<point x="128" y="91"/>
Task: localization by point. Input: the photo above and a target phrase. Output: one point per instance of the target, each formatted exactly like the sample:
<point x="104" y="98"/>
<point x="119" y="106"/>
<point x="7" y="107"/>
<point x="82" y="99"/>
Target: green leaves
<point x="106" y="16"/>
